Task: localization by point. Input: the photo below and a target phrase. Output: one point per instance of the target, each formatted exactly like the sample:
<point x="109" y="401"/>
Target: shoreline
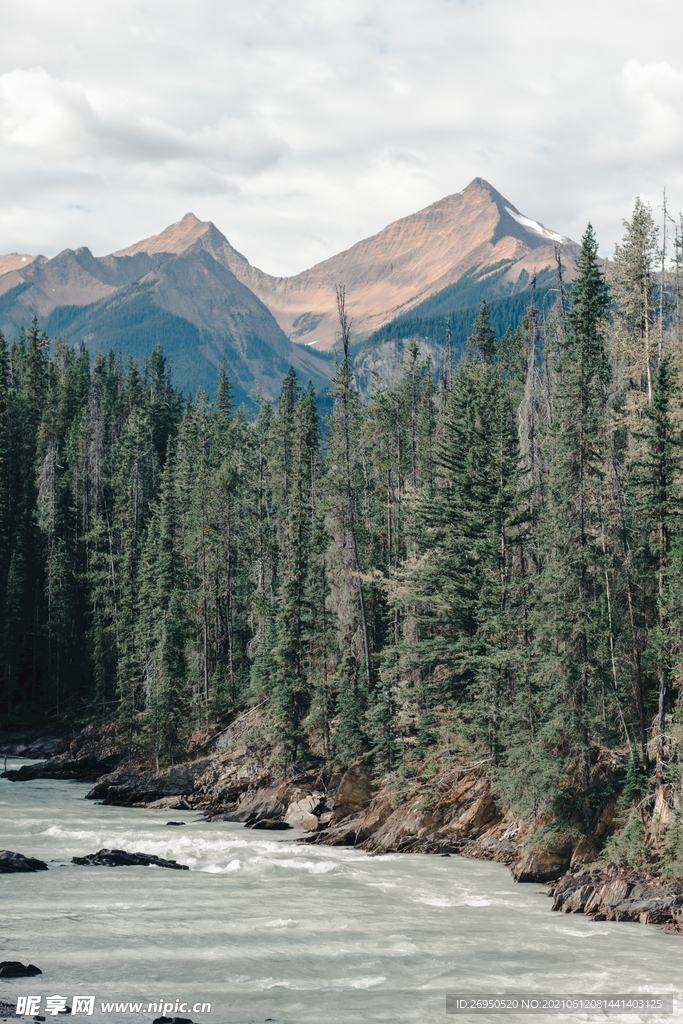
<point x="454" y="812"/>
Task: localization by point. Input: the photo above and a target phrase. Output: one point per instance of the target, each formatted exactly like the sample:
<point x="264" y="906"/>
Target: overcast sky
<point x="299" y="127"/>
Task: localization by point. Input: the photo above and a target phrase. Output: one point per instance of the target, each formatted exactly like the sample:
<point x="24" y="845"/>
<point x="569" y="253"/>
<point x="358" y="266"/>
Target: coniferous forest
<point x="485" y="559"/>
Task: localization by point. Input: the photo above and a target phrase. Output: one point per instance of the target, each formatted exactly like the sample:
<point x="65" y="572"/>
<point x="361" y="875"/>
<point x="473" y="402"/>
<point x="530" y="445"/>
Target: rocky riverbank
<point x="620" y="894"/>
<point x="94" y="751"/>
<point x="228" y="776"/>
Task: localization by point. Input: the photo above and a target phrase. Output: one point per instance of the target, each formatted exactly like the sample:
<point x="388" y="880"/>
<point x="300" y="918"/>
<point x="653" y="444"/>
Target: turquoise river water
<point x="263" y="928"/>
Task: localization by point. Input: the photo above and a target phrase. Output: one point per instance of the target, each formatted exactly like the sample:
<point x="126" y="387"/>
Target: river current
<point x="263" y="928"/>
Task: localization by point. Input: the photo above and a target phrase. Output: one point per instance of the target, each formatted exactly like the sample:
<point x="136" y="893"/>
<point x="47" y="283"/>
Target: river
<point x="263" y="928"/>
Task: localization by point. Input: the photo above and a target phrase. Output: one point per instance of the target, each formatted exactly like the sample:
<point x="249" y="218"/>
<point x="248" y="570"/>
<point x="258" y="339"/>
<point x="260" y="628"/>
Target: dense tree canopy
<point x="486" y="560"/>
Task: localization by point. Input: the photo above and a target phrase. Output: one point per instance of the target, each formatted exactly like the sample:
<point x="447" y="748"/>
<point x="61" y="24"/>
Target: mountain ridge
<point x="191" y="273"/>
<point x="207" y="311"/>
<point x="388" y="273"/>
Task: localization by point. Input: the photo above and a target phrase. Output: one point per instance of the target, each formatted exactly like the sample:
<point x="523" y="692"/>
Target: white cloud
<point x="652" y="80"/>
<point x="40" y="113"/>
<point x="301" y="127"/>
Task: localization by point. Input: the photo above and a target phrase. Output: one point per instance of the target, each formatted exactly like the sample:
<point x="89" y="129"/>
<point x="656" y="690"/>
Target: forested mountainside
<point x="452" y="311"/>
<point x="184" y="297"/>
<point x="489" y="566"/>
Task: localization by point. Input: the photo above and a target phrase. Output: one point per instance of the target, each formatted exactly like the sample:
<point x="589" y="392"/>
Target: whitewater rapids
<point x="265" y="929"/>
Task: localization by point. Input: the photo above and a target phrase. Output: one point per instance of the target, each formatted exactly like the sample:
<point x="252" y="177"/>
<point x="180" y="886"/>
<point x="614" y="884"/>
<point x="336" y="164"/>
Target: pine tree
<point x="635" y="308"/>
<point x="482" y="340"/>
<point x="346" y="487"/>
<point x="290" y="685"/>
<point x="462" y="588"/>
<point x="656" y="479"/>
<point x="164" y="619"/>
<point x="570" y="609"/>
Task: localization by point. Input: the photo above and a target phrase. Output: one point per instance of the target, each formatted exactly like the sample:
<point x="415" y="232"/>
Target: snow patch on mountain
<point x="533" y="225"/>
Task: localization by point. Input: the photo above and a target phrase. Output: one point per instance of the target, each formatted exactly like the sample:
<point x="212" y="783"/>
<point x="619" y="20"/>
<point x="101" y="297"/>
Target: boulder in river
<point x="15" y="969"/>
<point x="271" y="824"/>
<point x="121" y="858"/>
<point x="14" y="863"/>
<point x="172" y="1020"/>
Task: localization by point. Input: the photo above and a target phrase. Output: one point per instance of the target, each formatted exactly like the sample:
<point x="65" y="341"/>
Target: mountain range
<point x="189" y="289"/>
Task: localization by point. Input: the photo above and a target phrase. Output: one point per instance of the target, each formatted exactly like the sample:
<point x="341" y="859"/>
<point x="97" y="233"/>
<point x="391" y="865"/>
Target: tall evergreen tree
<point x="569" y="612"/>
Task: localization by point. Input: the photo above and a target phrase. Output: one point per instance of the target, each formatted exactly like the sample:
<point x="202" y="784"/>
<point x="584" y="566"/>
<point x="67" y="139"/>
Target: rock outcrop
<point x="121" y="858"/>
<point x="620" y="894"/>
<point x="15" y="969"/>
<point x="31" y="744"/>
<point x="16" y="863"/>
<point x="544" y="864"/>
<point x="455" y="813"/>
<point x="137" y="783"/>
<point x="96" y="750"/>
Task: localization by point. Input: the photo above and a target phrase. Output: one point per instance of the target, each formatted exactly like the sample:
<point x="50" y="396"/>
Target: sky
<point x="299" y="128"/>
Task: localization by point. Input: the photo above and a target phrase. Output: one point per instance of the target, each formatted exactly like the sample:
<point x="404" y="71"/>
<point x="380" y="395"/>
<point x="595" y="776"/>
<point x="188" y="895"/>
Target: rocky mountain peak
<point x="409" y="260"/>
<point x="176" y="238"/>
<point x="187" y="233"/>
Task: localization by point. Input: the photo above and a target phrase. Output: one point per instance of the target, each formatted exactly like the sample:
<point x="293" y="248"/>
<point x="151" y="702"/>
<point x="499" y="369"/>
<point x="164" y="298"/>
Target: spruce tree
<point x="482" y="340"/>
<point x="656" y="477"/>
<point x="569" y="614"/>
<point x="346" y="489"/>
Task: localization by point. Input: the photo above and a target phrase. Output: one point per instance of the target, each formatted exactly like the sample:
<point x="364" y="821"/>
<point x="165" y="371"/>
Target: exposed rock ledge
<point x="94" y="751"/>
<point x="618" y="894"/>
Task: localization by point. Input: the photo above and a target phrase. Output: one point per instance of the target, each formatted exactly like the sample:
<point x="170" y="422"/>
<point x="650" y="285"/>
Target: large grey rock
<point x="15" y="969"/>
<point x="302" y="813"/>
<point x="121" y="858"/>
<point x="542" y="865"/>
<point x="16" y="863"/>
